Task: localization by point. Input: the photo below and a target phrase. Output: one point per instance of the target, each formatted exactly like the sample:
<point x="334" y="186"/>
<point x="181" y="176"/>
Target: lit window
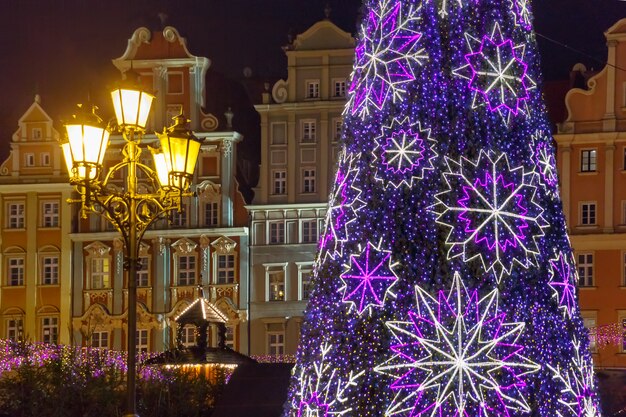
<point x="280" y="182"/>
<point x="225" y="269"/>
<point x="277" y="232"/>
<point x="309" y="231"/>
<point x="339" y="88"/>
<point x="50" y="214"/>
<point x="50" y="270"/>
<point x="141" y="340"/>
<point x="585" y="269"/>
<point x="143" y="272"/>
<point x="588" y="214"/>
<point x="591" y="325"/>
<point x="308" y="180"/>
<point x="277" y="285"/>
<point x="100" y="340"/>
<point x="211" y="214"/>
<point x="49" y="329"/>
<point x="16" y="271"/>
<point x="308" y="131"/>
<point x="100" y="273"/>
<point x="312" y="89"/>
<point x="588" y="160"/>
<point x="14" y="329"/>
<point x="15" y="218"/>
<point x="275" y="343"/>
<point x="186" y="270"/>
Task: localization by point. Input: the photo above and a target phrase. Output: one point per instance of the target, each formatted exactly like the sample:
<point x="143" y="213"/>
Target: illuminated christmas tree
<point x="445" y="283"/>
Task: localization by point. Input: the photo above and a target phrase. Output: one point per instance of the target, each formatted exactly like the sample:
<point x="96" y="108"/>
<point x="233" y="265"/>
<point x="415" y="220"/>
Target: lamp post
<point x="131" y="211"/>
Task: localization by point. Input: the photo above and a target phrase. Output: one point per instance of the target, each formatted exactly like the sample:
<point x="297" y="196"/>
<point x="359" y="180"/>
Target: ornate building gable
<point x="601" y="107"/>
<point x="323" y="35"/>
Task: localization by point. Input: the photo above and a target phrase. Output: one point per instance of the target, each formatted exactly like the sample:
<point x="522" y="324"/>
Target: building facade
<point x="63" y="278"/>
<point x="591" y="160"/>
<point x="301" y="120"/>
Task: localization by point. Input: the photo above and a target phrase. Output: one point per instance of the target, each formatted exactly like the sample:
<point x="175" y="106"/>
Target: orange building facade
<point x="62" y="277"/>
<point x="591" y="160"/>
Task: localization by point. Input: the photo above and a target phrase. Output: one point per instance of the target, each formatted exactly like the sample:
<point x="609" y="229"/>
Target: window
<point x="143" y="272"/>
<point x="585" y="269"/>
<point x="590" y="324"/>
<point x="339" y="88"/>
<point x="337" y="126"/>
<point x="37" y="133"/>
<point x="50" y="270"/>
<point x="277" y="285"/>
<point x="100" y="340"/>
<point x="587" y="214"/>
<point x="280" y="182"/>
<point x="186" y="269"/>
<point x="308" y="180"/>
<point x="50" y="214"/>
<point x="49" y="329"/>
<point x="141" y="340"/>
<point x="225" y="269"/>
<point x="588" y="160"/>
<point x="179" y="217"/>
<point x="230" y="337"/>
<point x="305" y="284"/>
<point x="188" y="335"/>
<point x="29" y="159"/>
<point x="45" y="159"/>
<point x="275" y="343"/>
<point x="308" y="131"/>
<point x="15" y="215"/>
<point x="16" y="271"/>
<point x="312" y="89"/>
<point x="175" y="83"/>
<point x="14" y="329"/>
<point x="100" y="273"/>
<point x="309" y="231"/>
<point x="211" y="214"/>
<point x="277" y="232"/>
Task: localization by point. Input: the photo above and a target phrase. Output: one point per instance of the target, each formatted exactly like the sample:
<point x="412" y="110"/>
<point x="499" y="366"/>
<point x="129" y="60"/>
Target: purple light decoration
<point x="313" y="404"/>
<point x="498" y="74"/>
<point x="561" y="283"/>
<point x="368" y="278"/>
<point x="503" y="234"/>
<point x="456" y="356"/>
<point x="403" y="151"/>
<point x="521" y="13"/>
<point x="546" y="164"/>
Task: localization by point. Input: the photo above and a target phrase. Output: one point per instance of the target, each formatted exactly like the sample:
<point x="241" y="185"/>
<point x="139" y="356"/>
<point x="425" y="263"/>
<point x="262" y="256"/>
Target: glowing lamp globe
<point x="180" y="149"/>
<point x="84" y="151"/>
<point x="160" y="166"/>
<point x="132" y="107"/>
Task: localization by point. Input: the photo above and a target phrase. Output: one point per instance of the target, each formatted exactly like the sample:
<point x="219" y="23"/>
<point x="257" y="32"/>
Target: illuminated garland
<point x="613" y="334"/>
<point x="520" y="9"/>
<point x="579" y="392"/>
<point x="456" y="356"/>
<point x="322" y="390"/>
<point x="406" y="152"/>
<point x="497" y="73"/>
<point x="368" y="278"/>
<point x="563" y="279"/>
<point x="542" y="155"/>
<point x="343" y="205"/>
<point x="385" y="57"/>
<point x="494" y="217"/>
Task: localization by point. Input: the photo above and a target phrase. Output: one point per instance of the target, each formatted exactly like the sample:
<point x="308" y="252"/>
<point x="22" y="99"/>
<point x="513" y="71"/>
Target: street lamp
<point x="129" y="210"/>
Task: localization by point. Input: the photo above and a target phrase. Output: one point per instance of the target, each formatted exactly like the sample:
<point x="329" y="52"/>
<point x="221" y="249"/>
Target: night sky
<point x="62" y="49"/>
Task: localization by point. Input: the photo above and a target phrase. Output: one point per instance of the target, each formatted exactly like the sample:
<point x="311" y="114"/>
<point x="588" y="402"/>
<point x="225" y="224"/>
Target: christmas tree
<point x="445" y="283"/>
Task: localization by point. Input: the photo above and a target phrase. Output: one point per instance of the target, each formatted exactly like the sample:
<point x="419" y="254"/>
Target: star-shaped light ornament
<point x="405" y="151"/>
<point x="542" y="155"/>
<point x="563" y="279"/>
<point x="497" y="74"/>
<point x="344" y="203"/>
<point x="445" y="5"/>
<point x="520" y="9"/>
<point x="457" y="356"/>
<point x="491" y="212"/>
<point x="578" y="384"/>
<point x="386" y="56"/>
<point x="368" y="278"/>
<point x="323" y="392"/>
